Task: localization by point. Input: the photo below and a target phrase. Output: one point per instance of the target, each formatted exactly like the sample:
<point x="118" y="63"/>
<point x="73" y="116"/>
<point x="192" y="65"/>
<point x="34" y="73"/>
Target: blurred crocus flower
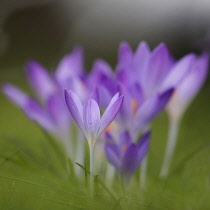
<point x="140" y="76"/>
<point x="186" y="88"/>
<point x="125" y="155"/>
<point x="49" y="109"/>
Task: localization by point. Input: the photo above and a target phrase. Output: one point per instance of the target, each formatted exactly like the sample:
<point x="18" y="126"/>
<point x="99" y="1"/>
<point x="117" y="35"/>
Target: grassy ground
<point x="33" y="173"/>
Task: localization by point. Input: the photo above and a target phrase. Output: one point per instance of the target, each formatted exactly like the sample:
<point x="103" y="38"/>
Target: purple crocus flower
<point x="126" y="156"/>
<point x="49" y="109"/>
<point x="186" y="88"/>
<point x="88" y="117"/>
<point x="189" y="86"/>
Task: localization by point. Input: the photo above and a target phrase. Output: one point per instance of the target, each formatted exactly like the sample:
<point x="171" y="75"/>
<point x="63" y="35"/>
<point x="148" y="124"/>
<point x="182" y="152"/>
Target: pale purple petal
<point x="111" y="112"/>
<point x="125" y="54"/>
<point x="17" y="96"/>
<point x="150" y="109"/>
<point x="58" y="110"/>
<point x="158" y="67"/>
<point x="75" y="107"/>
<point x="194" y="80"/>
<point x="141" y="59"/>
<point x="178" y="72"/>
<point x="91" y="119"/>
<point x="40" y="80"/>
<point x="70" y="66"/>
<point x="35" y="112"/>
<point x="189" y="87"/>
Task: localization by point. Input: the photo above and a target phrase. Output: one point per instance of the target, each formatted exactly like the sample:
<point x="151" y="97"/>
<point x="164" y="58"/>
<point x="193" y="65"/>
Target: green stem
<point x="143" y="174"/>
<point x="92" y="151"/>
<point x="171" y="144"/>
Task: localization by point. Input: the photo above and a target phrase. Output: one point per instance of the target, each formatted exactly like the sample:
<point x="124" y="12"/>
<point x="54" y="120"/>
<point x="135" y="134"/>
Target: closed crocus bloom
<point x="195" y="72"/>
<point x="87" y="117"/>
<point x="125" y="155"/>
<point x="188" y="87"/>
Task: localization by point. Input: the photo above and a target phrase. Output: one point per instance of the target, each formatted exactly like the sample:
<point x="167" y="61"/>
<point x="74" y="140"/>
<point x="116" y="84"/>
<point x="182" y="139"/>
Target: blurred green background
<point x="32" y="173"/>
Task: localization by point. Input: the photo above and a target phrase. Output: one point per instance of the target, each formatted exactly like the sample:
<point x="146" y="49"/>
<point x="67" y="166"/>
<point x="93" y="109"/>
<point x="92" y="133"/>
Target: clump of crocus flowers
<point x="114" y="106"/>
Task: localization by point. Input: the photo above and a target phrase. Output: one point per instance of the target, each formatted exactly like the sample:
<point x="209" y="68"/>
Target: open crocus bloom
<point x="126" y="156"/>
<point x="88" y="117"/>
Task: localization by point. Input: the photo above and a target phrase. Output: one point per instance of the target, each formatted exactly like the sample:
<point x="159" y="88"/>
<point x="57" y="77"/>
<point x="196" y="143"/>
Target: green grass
<point x="34" y="174"/>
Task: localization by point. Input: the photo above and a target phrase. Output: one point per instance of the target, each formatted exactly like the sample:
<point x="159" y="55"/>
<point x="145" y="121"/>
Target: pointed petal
<point x="40" y="80"/>
<point x="141" y="59"/>
<point x="113" y="155"/>
<point x="75" y="107"/>
<point x="135" y="154"/>
<point x="178" y="72"/>
<point x="35" y="112"/>
<point x="150" y="109"/>
<point x="125" y="54"/>
<point x="91" y="118"/>
<point x="125" y="139"/>
<point x="31" y="108"/>
<point x="58" y="110"/>
<point x="17" y="96"/>
<point x="130" y="160"/>
<point x="71" y="65"/>
<point x="143" y="145"/>
<point x="111" y="111"/>
<point x="158" y="67"/>
<point x="194" y="80"/>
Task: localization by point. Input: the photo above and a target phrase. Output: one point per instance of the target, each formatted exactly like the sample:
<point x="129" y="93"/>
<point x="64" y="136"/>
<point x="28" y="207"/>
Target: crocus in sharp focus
<point x="88" y="118"/>
<point x="185" y="90"/>
<point x="125" y="155"/>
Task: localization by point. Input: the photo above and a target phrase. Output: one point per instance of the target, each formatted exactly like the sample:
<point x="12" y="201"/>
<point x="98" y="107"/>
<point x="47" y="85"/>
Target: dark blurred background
<point x="47" y="29"/>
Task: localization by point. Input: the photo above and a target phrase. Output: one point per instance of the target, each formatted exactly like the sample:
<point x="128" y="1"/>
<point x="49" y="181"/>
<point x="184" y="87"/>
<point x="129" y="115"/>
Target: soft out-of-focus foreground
<point x="33" y="171"/>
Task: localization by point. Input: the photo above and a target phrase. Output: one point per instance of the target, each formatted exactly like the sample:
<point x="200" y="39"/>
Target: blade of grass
<point x="112" y="194"/>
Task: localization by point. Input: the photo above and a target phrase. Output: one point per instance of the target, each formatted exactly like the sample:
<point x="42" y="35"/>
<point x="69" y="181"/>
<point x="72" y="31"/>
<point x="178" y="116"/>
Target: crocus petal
<point x="178" y="72"/>
<point x="113" y="155"/>
<point x="143" y="145"/>
<point x="35" y="112"/>
<point x="91" y="119"/>
<point x="157" y="69"/>
<point x="188" y="88"/>
<point x="125" y="54"/>
<point x="125" y="139"/>
<point x="17" y="96"/>
<point x="75" y="107"/>
<point x="40" y="80"/>
<point x="125" y="113"/>
<point x="194" y="80"/>
<point x="130" y="160"/>
<point x="135" y="154"/>
<point x="141" y="56"/>
<point x="70" y="66"/>
<point x="111" y="111"/>
<point x="150" y="109"/>
<point x="58" y="110"/>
